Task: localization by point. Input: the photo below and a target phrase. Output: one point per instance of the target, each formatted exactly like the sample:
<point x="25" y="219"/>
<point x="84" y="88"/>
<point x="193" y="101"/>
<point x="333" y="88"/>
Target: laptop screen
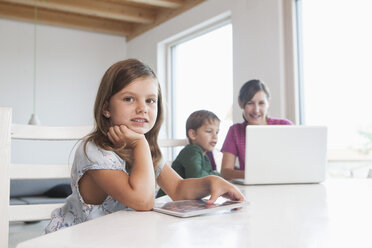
<point x="285" y="154"/>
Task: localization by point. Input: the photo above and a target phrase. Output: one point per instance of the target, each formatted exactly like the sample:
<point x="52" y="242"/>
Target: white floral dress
<point x="76" y="210"/>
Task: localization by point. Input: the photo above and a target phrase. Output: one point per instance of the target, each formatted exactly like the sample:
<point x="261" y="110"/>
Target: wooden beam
<point x="160" y="3"/>
<point x="94" y="8"/>
<point x="63" y="19"/>
<point x="163" y="16"/>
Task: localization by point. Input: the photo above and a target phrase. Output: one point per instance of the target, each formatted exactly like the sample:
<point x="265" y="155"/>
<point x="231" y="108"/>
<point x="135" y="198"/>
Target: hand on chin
<point x="139" y="130"/>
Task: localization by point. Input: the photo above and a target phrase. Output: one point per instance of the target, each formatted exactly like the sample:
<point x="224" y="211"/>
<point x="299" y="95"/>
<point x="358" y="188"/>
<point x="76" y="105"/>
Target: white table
<point x="337" y="213"/>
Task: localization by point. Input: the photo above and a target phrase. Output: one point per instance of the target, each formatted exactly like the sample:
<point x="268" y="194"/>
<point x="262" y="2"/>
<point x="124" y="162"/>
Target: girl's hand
<point x="123" y="136"/>
<point x="220" y="187"/>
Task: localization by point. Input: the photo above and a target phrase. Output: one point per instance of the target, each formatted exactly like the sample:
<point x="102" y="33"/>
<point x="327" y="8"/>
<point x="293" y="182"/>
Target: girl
<point x="254" y="99"/>
<point x="116" y="165"/>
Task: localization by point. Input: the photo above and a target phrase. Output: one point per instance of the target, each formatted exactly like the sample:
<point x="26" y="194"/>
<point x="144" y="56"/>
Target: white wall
<point x="258" y="44"/>
<point x="70" y="65"/>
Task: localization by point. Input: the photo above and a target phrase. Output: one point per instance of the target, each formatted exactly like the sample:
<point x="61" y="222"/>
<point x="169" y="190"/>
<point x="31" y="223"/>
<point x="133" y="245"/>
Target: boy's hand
<point x="122" y="136"/>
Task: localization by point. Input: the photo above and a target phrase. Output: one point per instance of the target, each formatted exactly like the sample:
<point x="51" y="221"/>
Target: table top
<point x="337" y="213"/>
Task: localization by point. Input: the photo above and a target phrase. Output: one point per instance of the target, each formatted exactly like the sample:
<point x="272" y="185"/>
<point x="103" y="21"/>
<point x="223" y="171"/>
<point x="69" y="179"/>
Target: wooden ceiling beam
<point x="163" y="16"/>
<point x="94" y="8"/>
<point x="56" y="18"/>
<point x="128" y="18"/>
<point x="160" y="3"/>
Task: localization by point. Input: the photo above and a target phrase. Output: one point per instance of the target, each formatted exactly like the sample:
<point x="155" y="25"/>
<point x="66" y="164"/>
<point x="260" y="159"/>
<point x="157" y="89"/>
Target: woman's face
<point x="255" y="110"/>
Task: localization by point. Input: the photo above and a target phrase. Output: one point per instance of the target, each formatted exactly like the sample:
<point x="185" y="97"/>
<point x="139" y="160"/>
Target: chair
<point x="8" y="171"/>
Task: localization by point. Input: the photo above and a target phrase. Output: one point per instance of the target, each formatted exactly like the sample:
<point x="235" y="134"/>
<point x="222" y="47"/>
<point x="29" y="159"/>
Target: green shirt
<point x="192" y="163"/>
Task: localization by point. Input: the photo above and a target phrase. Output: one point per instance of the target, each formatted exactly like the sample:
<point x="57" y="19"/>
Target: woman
<point x="254" y="99"/>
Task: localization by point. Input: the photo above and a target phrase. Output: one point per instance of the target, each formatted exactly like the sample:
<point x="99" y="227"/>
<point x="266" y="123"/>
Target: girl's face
<point x="135" y="106"/>
<point x="255" y="110"/>
<point x="206" y="136"/>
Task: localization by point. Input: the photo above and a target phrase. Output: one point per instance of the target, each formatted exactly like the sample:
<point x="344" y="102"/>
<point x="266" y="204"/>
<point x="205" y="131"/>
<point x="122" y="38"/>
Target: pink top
<point x="235" y="138"/>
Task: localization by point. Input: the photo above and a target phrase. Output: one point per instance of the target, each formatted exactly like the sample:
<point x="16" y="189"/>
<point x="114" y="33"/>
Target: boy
<point x="202" y="132"/>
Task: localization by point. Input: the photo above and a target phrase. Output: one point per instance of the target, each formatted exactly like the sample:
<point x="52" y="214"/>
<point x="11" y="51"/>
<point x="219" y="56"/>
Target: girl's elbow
<point x="139" y="201"/>
<point x="144" y="205"/>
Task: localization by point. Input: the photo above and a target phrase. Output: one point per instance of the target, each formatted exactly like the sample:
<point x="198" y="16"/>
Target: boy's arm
<point x="192" y="160"/>
<point x="196" y="166"/>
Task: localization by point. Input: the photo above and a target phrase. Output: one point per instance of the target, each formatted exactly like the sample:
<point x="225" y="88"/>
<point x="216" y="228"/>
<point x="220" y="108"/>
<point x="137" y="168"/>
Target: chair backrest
<point x="5" y="121"/>
<point x="8" y="171"/>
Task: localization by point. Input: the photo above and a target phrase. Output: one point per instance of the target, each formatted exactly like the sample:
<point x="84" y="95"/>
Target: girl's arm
<point x="196" y="188"/>
<point x="135" y="191"/>
<point x="228" y="170"/>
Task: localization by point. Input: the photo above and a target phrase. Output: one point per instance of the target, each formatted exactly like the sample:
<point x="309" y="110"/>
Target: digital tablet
<point x="188" y="208"/>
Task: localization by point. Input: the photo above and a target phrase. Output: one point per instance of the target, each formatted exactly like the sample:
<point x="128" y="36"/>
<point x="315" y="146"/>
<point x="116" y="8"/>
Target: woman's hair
<point x="249" y="89"/>
<point x="197" y="119"/>
<point x="118" y="76"/>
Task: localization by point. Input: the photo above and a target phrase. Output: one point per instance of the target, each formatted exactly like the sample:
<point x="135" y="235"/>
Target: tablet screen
<point x="189" y="208"/>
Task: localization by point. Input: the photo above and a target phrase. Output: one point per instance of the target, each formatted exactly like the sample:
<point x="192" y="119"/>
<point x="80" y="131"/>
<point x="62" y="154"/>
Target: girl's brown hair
<point x="118" y="76"/>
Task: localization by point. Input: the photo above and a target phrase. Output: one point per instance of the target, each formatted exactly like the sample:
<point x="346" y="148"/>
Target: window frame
<point x="214" y="24"/>
<point x="170" y="66"/>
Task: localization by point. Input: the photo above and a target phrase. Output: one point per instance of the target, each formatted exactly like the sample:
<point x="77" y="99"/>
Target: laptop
<point x="285" y="154"/>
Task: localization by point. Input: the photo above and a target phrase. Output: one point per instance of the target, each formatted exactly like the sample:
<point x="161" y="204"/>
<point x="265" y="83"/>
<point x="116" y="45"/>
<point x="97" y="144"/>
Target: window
<point x="201" y="78"/>
<point x="336" y="83"/>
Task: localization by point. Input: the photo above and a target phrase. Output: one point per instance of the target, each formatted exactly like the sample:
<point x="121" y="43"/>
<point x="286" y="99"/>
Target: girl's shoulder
<point x="278" y="121"/>
<point x="89" y="154"/>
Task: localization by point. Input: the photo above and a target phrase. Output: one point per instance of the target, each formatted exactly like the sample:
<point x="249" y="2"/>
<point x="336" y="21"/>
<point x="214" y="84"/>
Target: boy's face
<point x="205" y="136"/>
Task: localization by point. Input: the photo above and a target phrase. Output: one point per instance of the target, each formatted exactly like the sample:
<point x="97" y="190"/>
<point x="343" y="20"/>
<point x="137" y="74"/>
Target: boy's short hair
<point x="197" y="119"/>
